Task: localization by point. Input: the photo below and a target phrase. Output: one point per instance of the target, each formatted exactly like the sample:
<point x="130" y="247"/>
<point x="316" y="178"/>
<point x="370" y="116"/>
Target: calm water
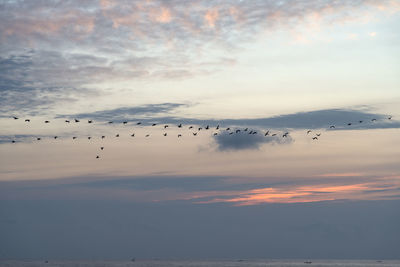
<point x="239" y="263"/>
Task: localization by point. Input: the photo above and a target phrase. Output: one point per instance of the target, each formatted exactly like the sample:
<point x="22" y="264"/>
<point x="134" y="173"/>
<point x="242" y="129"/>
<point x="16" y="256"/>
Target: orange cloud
<point x="211" y="17"/>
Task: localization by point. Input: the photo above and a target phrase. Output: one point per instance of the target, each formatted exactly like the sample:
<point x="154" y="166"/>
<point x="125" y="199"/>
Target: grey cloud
<point x="244" y="140"/>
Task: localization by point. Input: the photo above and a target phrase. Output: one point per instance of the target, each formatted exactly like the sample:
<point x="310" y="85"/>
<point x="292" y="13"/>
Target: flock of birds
<point x="195" y="130"/>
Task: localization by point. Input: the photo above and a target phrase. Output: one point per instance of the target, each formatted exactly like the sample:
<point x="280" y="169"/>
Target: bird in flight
<point x="138" y="123"/>
<point x="147" y="135"/>
<point x="46" y="121"/>
<point x="154" y="124"/>
<point x="318" y="134"/>
<point x="309" y="131"/>
<point x="89" y="137"/>
<point x="103" y="136"/>
<point x="55" y="137"/>
<point x="76" y="120"/>
<point x="110" y="122"/>
<point x="390" y="117"/>
<point x="74" y="137"/>
<point x="89" y="121"/>
<point x="15" y="118"/>
<point x="165" y="126"/>
<point x="267" y="133"/>
<point x="133" y="134"/>
<point x="165" y="134"/>
<point x="117" y="135"/>
<point x="315" y="138"/>
<point x="332" y="126"/>
<point x="67" y="121"/>
<point x="194" y="134"/>
<point x="125" y="122"/>
<point x="27" y="120"/>
<point x="102" y="148"/>
<point x="38" y="138"/>
<point x="179" y="135"/>
<point x="13" y="141"/>
<point x="207" y="127"/>
<point x="97" y="157"/>
<point x="217" y="127"/>
<point x="285" y="134"/>
<point x="373" y="120"/>
<point x="349" y="124"/>
<point x="190" y="127"/>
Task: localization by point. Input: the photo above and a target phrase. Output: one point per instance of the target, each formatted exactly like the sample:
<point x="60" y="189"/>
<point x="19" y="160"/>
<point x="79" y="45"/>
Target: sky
<point x="228" y="182"/>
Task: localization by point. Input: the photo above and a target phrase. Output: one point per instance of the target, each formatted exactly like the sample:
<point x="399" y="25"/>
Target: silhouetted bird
<point x="154" y="124"/>
<point x="13" y="141"/>
<point x="237" y="131"/>
<point x="102" y="148"/>
<point x="207" y="127"/>
<point x="254" y="132"/>
<point x="390" y="117"/>
<point x="194" y="134"/>
<point x="110" y="122"/>
<point x="102" y="137"/>
<point x="267" y="133"/>
<point x="89" y="137"/>
<point x="147" y="135"/>
<point x="309" y="131"/>
<point x="190" y="127"/>
<point x="315" y="138"/>
<point x="180" y="125"/>
<point x="360" y="121"/>
<point x="230" y="133"/>
<point x="74" y="137"/>
<point x="179" y="135"/>
<point x="373" y="120"/>
<point x="251" y="132"/>
<point x="246" y="129"/>
<point x="55" y="137"/>
<point x="165" y="126"/>
<point x="273" y="134"/>
<point x="215" y="134"/>
<point x="67" y="121"/>
<point x="15" y="118"/>
<point x="165" y="134"/>
<point x="89" y="121"/>
<point x="117" y="135"/>
<point x="46" y="121"/>
<point x="217" y="127"/>
<point x="332" y="126"/>
<point x="27" y="120"/>
<point x="228" y="129"/>
<point x="125" y="122"/>
<point x="349" y="124"/>
<point x="200" y="128"/>
<point x="318" y="134"/>
<point x="38" y="138"/>
<point x="133" y="135"/>
<point x="76" y="120"/>
<point x="285" y="134"/>
<point x="138" y="123"/>
<point x="97" y="157"/>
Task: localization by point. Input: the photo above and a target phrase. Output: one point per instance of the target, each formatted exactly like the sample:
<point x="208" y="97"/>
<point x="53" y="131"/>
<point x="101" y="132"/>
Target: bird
<point x="138" y="123"/>
<point x="373" y="120"/>
<point x="15" y="118"/>
<point x="117" y="135"/>
<point x="237" y="131"/>
<point x="27" y="120"/>
<point x="215" y="134"/>
<point x="194" y="134"/>
<point x="360" y="121"/>
<point x="103" y="136"/>
<point x="38" y="138"/>
<point x="273" y="135"/>
<point x="390" y="117"/>
<point x="190" y="127"/>
<point x="97" y="157"/>
<point x="46" y="121"/>
<point x="89" y="121"/>
<point x="147" y="135"/>
<point x="165" y="134"/>
<point x="110" y="122"/>
<point x="207" y="127"/>
<point x="154" y="124"/>
<point x="217" y="127"/>
<point x="180" y="125"/>
<point x="309" y="131"/>
<point x="67" y="121"/>
<point x="102" y="148"/>
<point x="315" y="138"/>
<point x="76" y="120"/>
<point x="254" y="132"/>
<point x="55" y="137"/>
<point x="246" y="129"/>
<point x="200" y="128"/>
<point x="133" y="135"/>
<point x="349" y="124"/>
<point x="285" y="134"/>
<point x="332" y="126"/>
<point x="318" y="134"/>
<point x="74" y="137"/>
<point x="251" y="132"/>
<point x="125" y="122"/>
<point x="179" y="135"/>
<point x="230" y="133"/>
<point x="89" y="137"/>
<point x="228" y="129"/>
<point x="267" y="133"/>
<point x="165" y="126"/>
<point x="13" y="141"/>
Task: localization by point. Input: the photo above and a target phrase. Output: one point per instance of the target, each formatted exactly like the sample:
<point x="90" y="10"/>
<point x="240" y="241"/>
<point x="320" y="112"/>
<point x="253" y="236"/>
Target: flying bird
<point x="13" y="141"/>
<point x="102" y="148"/>
<point x="230" y="133"/>
<point x="285" y="134"/>
<point x="194" y="134"/>
<point x="67" y="121"/>
<point x="97" y="157"/>
<point x="89" y="121"/>
<point x="267" y="133"/>
<point x="110" y="122"/>
<point x="165" y="126"/>
<point x="237" y="131"/>
<point x="360" y="121"/>
<point x="332" y="126"/>
<point x="180" y="125"/>
<point x="74" y="137"/>
<point x="154" y="124"/>
<point x="207" y="127"/>
<point x="318" y="134"/>
<point x="200" y="128"/>
<point x="228" y="129"/>
<point x="309" y="131"/>
<point x="215" y="134"/>
<point x="76" y="120"/>
<point x="273" y="135"/>
<point x="38" y="138"/>
<point x="190" y="127"/>
<point x="46" y="121"/>
<point x="89" y="137"/>
<point x="147" y="135"/>
<point x="246" y="129"/>
<point x="179" y="135"/>
<point x="315" y="138"/>
<point x="103" y="136"/>
<point x="349" y="124"/>
<point x="15" y="118"/>
<point x="217" y="127"/>
<point x="133" y="135"/>
<point x="125" y="122"/>
<point x="27" y="120"/>
<point x="138" y="123"/>
<point x="55" y="137"/>
<point x="254" y="132"/>
<point x="390" y="117"/>
<point x="117" y="135"/>
<point x="165" y="134"/>
<point x="373" y="120"/>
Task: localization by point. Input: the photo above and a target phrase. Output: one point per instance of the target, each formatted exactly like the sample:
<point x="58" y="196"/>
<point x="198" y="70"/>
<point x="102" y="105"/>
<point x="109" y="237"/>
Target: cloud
<point x="244" y="140"/>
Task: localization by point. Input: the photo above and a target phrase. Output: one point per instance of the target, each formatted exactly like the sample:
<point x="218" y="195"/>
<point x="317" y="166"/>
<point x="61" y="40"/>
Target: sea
<point x="213" y="263"/>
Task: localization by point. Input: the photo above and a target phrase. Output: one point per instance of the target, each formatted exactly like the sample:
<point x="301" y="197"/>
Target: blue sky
<point x="256" y="69"/>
